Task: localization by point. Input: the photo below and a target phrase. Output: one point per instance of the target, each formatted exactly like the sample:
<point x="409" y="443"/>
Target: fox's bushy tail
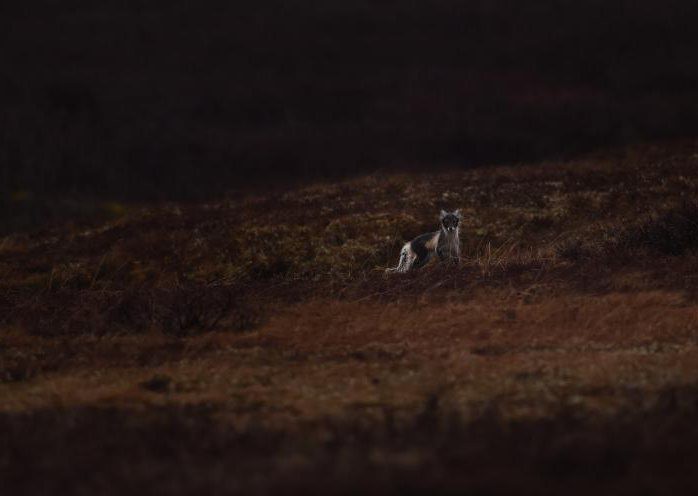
<point x="403" y="264"/>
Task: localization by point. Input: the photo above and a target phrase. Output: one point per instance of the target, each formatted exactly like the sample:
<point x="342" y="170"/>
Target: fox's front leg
<point x="449" y="255"/>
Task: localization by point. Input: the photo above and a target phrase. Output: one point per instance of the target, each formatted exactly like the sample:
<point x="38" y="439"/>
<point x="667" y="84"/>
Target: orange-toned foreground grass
<point x="255" y="345"/>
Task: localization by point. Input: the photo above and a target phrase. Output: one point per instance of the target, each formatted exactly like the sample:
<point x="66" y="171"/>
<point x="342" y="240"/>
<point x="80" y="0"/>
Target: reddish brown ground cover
<point x="254" y="344"/>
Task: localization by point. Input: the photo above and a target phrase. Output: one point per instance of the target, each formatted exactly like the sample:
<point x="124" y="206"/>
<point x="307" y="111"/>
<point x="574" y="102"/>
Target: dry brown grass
<point x="261" y="336"/>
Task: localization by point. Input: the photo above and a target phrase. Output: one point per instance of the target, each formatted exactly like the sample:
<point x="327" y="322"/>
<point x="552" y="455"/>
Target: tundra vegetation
<point x="254" y="344"/>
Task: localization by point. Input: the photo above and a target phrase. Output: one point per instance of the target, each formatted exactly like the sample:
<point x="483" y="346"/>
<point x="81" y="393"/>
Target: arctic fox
<point x="445" y="243"/>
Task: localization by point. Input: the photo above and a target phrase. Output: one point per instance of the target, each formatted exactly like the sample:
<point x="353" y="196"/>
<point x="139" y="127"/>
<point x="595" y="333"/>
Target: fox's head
<point x="450" y="221"/>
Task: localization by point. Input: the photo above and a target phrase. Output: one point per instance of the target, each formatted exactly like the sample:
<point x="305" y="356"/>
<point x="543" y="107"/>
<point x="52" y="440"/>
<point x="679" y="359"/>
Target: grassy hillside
<point x="254" y="344"/>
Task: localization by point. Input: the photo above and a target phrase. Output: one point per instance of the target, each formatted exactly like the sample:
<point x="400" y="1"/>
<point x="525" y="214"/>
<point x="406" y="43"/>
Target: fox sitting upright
<point x="445" y="243"/>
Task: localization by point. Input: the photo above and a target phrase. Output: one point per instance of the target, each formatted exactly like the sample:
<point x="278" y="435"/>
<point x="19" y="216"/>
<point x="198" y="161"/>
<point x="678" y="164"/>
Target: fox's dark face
<point x="450" y="220"/>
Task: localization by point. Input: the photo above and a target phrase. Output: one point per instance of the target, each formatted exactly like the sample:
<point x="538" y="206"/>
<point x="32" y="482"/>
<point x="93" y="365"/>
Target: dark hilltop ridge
<point x="177" y="99"/>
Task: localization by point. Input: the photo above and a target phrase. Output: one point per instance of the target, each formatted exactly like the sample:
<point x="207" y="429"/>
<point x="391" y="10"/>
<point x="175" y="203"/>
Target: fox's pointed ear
<point x="457" y="213"/>
<point x="443" y="214"/>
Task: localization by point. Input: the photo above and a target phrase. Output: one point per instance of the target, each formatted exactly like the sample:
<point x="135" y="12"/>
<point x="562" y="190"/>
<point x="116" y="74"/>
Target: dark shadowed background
<point x="143" y="101"/>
